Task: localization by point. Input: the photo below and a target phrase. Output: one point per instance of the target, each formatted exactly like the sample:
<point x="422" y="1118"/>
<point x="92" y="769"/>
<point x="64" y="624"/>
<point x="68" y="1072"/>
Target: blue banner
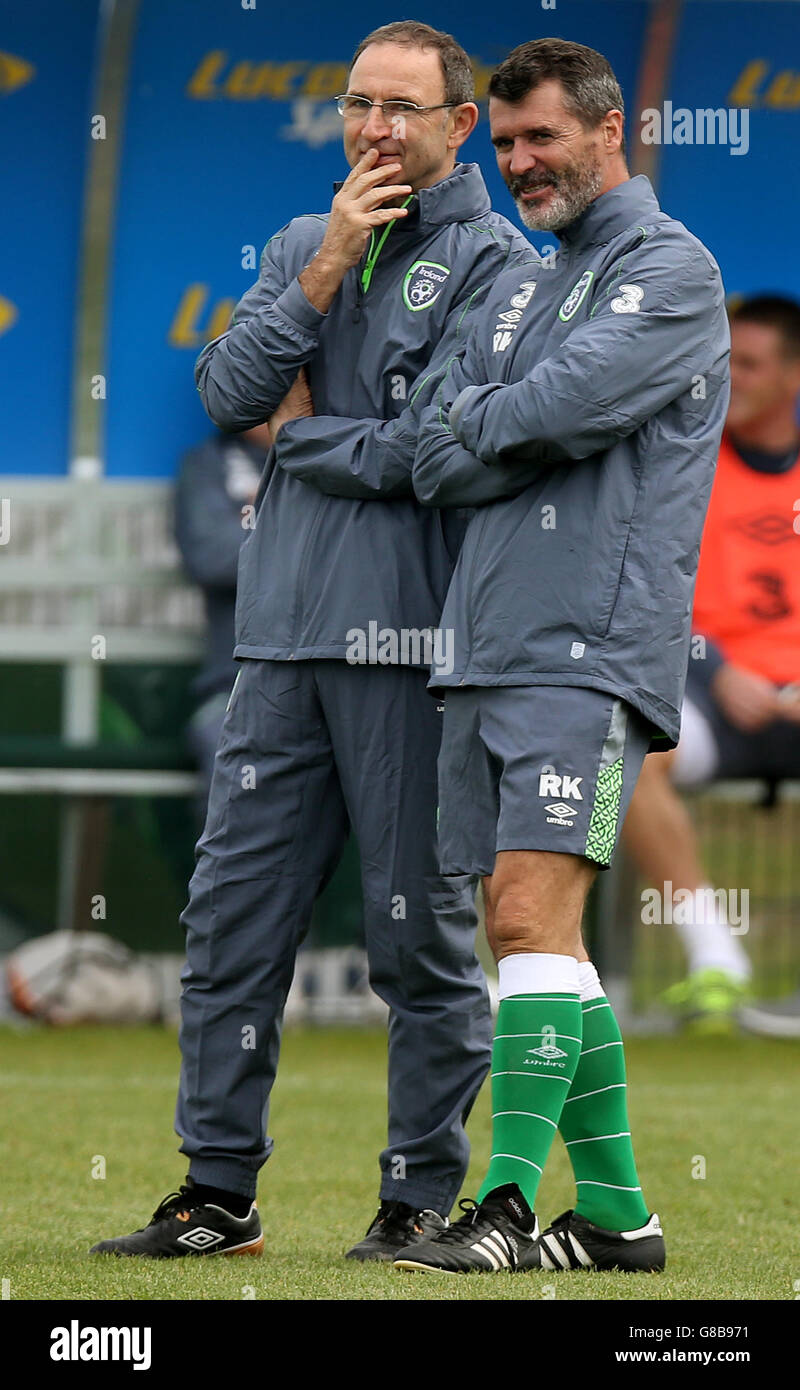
<point x="230" y="131"/>
<point x="738" y="190"/>
<point x="46" y="72"/>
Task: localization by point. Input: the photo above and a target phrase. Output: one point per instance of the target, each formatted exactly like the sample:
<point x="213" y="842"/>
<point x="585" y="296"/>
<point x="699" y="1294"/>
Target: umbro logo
<point x="561" y="809"/>
<point x="509" y="319"/>
<point x="549" y="1049"/>
<point x="768" y="528"/>
<point x="200" y="1238"/>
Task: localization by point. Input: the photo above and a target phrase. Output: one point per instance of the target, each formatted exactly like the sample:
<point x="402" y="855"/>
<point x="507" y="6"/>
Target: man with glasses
<point x="330" y="725"/>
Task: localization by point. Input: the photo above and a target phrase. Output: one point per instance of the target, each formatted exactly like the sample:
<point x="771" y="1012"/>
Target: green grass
<point x="70" y="1096"/>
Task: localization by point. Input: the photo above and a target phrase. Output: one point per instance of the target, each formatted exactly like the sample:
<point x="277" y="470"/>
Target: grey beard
<point x="574" y="192"/>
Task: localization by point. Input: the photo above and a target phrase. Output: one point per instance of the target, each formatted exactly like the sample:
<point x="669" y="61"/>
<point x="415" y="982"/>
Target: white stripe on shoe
<point x="550" y="1250"/>
<point x="481" y="1249"/>
<point x="494" y="1247"/>
<point x="586" y="1260"/>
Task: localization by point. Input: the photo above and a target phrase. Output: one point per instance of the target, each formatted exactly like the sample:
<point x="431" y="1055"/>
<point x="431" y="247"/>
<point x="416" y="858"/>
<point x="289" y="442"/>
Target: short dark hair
<point x="774" y="311"/>
<point x="459" y="83"/>
<point x="590" y="88"/>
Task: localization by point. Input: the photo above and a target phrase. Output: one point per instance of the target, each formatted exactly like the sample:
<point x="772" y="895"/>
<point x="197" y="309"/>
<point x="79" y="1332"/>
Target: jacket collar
<point x="611" y="213"/>
<point x="457" y="198"/>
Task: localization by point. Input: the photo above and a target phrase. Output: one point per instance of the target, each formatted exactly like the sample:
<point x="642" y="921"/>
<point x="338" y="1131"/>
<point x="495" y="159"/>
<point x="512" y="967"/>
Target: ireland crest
<point x="423" y="284"/>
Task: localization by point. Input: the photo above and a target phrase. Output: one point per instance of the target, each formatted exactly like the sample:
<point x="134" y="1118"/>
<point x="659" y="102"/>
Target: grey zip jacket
<point x="316" y="565"/>
<point x="583" y="420"/>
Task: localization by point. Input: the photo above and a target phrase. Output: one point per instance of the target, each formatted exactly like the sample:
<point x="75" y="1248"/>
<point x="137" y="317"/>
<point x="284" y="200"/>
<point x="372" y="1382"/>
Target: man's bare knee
<point x="537" y="902"/>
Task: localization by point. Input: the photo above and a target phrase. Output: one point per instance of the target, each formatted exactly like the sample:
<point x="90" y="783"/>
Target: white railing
<point x="82" y="559"/>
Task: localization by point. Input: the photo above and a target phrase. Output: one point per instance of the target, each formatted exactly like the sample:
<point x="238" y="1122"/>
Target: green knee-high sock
<point x="535" y="1053"/>
<point x="595" y="1127"/>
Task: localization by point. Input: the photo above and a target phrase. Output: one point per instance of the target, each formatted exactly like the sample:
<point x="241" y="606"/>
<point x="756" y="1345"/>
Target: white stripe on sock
<point x="532" y="1114"/>
<point x="529" y="1161"/>
<point x="541" y="999"/>
<point x="569" y="1037"/>
<point x="587" y="1182"/>
<point x="623" y="1134"/>
<point x="618" y="1085"/>
<point x="537" y="1075"/>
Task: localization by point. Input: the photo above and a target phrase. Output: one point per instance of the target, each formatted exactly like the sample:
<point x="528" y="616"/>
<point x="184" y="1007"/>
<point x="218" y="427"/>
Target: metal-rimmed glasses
<point x="353" y="107"/>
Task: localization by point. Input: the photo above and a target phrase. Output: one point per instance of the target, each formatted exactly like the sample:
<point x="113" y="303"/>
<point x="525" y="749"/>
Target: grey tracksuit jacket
<point x="315" y="565"/>
<point x="583" y="421"/>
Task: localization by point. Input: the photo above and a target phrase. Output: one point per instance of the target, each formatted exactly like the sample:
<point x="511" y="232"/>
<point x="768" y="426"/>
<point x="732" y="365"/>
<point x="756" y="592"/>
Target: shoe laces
<point x="562" y="1220"/>
<point x="396" y="1218"/>
<point x="453" y="1233"/>
<point x="183" y="1200"/>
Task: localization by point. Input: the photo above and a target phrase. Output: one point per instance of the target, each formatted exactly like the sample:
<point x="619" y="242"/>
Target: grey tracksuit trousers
<point x="308" y="749"/>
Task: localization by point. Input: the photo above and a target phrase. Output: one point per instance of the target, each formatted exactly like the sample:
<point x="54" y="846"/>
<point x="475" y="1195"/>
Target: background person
<point x="216" y="481"/>
<point x="741" y="712"/>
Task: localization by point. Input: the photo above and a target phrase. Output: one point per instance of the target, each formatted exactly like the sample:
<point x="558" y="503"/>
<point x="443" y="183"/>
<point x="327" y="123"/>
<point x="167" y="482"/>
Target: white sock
<point x="535" y="972"/>
<point x="703" y="928"/>
<point x="589" y="981"/>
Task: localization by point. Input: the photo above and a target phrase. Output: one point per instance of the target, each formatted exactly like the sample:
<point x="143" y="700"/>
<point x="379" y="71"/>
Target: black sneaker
<point x="501" y="1234"/>
<point x="181" y="1225"/>
<point x="396" y="1226"/>
<point x="572" y="1242"/>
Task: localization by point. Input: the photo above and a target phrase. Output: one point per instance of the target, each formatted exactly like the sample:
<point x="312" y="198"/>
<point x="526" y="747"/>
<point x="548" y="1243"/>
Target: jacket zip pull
<point x="356" y="313"/>
<point x="365" y="279"/>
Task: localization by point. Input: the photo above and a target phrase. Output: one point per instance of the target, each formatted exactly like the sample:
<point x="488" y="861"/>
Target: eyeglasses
<point x="358" y="108"/>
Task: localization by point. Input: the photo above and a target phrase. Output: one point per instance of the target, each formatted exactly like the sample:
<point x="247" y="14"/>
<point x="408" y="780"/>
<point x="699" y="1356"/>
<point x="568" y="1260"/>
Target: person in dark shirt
<point x="214" y="499"/>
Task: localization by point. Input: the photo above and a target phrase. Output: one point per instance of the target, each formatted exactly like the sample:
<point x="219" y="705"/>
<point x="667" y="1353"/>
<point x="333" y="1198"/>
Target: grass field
<point x="69" y="1098"/>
